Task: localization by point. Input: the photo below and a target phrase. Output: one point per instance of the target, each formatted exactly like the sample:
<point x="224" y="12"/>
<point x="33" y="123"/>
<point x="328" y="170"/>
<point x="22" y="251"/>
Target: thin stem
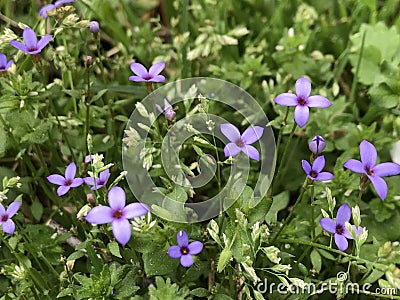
<point x="312" y="212"/>
<point x="87" y="103"/>
<point x="355" y="81"/>
<point x="286" y="150"/>
<point x="70" y="79"/>
<point x="289" y="217"/>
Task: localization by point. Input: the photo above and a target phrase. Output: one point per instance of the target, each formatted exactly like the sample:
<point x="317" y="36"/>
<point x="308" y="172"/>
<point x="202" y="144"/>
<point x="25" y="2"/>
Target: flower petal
<point x="301" y="115"/>
<point x="387" y="169"/>
<point x="341" y="242"/>
<point x="328" y="225"/>
<point x="9" y="64"/>
<point x="286" y="99"/>
<point x="167" y="106"/>
<point x="368" y="154"/>
<point x="159" y="108"/>
<point x="343" y="214"/>
<point x="135" y="210"/>
<point x="157" y="78"/>
<point x="187" y="260"/>
<point x="122" y="231"/>
<point x="318" y="101"/>
<point x="306" y="166"/>
<point x="157" y="68"/>
<point x="13" y="208"/>
<point x="347" y="234"/>
<point x="252" y="134"/>
<point x="99" y="215"/>
<point x="8" y="226"/>
<point x="231" y="132"/>
<point x="19" y="46"/>
<point x="324" y="176"/>
<point x="3" y="60"/>
<point x="62" y="190"/>
<point x="89" y="180"/>
<point x="174" y="252"/>
<point x="117" y="198"/>
<point x="44" y="41"/>
<point x="251" y="152"/>
<point x="379" y="185"/>
<point x="2" y="211"/>
<point x="303" y="87"/>
<point x="58" y="3"/>
<point x="44" y="9"/>
<point x="318" y="164"/>
<point x="29" y="38"/>
<point x="103" y="176"/>
<point x="70" y="171"/>
<point x="138" y="69"/>
<point x="182" y="238"/>
<point x="195" y="247"/>
<point x="77" y="182"/>
<point x="355" y="166"/>
<point x="56" y="179"/>
<point x="136" y="78"/>
<point x="231" y="149"/>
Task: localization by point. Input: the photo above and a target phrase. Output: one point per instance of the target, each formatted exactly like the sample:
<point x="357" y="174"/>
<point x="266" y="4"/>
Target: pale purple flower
<point x="67" y="182"/>
<point x="5" y="216"/>
<point x="317" y="145"/>
<point x="43" y="11"/>
<point x="150" y="76"/>
<point x="4" y="64"/>
<point x="184" y="250"/>
<point x="314" y="172"/>
<point x="369" y="168"/>
<point x="100" y="182"/>
<point x="242" y="142"/>
<point x="338" y="227"/>
<point x="117" y="214"/>
<point x="302" y="101"/>
<point x="31" y="46"/>
<point x="168" y="111"/>
<point x="94" y="27"/>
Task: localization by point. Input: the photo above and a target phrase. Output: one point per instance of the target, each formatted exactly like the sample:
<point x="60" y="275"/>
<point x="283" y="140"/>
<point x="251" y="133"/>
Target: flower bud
<point x="169" y="114"/>
<point x="317" y="145"/>
<point x="94" y="27"/>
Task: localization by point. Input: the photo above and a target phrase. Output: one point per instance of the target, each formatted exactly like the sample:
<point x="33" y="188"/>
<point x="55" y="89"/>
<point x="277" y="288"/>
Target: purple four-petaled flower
<point x="66" y="182"/>
<point x="314" y="172"/>
<point x="241" y="142"/>
<point x="100" y="182"/>
<point x="302" y="101"/>
<point x="31" y="46"/>
<point x="338" y="227"/>
<point x="150" y="76"/>
<point x="184" y="250"/>
<point x="168" y="111"/>
<point x="369" y="168"/>
<point x="43" y="11"/>
<point x="118" y="214"/>
<point x="4" y="64"/>
<point x="5" y="216"/>
<point x="317" y="145"/>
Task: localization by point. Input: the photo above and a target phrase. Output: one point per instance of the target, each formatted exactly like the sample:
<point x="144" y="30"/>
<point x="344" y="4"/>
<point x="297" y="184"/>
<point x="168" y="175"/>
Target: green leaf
<point x="114" y="249"/>
<point x="383" y="96"/>
<point x="65" y="292"/>
<point x="316" y="260"/>
<point x="76" y="255"/>
<point x="199" y="292"/>
<point x="279" y="202"/>
<point x="159" y="263"/>
<point x="37" y="210"/>
<point x="39" y="134"/>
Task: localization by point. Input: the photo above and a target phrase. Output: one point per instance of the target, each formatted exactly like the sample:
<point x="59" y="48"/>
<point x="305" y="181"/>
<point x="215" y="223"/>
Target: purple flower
<point x="184" y="250"/>
<point x="5" y="216"/>
<point x="302" y="101"/>
<point x="31" y="46"/>
<point x="314" y="172"/>
<point x="242" y="142"/>
<point x="338" y="227"/>
<point x="4" y="65"/>
<point x="118" y="214"/>
<point x="317" y="145"/>
<point x="369" y="168"/>
<point x="94" y="27"/>
<point x="151" y="76"/>
<point x="168" y="111"/>
<point x="58" y="3"/>
<point x="43" y="11"/>
<point x="66" y="182"/>
<point x="100" y="182"/>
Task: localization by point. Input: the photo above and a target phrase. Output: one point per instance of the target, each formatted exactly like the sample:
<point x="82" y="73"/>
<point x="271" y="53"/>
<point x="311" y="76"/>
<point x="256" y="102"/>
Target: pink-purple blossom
<point x="168" y="111"/>
<point x="100" y="182"/>
<point x="153" y="75"/>
<point x="31" y="44"/>
<point x="4" y="64"/>
<point x="94" y="27"/>
<point x="184" y="250"/>
<point x="67" y="181"/>
<point x="338" y="227"/>
<point x="6" y="223"/>
<point x="117" y="214"/>
<point x="317" y="145"/>
<point x="302" y="101"/>
<point x="314" y="172"/>
<point x="371" y="170"/>
<point x="242" y="143"/>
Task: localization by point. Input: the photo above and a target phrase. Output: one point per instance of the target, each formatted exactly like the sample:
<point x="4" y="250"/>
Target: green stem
<point x="184" y="24"/>
<point x="70" y="79"/>
<point x="87" y="103"/>
<point x="289" y="217"/>
<point x="355" y="81"/>
<point x="312" y="212"/>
